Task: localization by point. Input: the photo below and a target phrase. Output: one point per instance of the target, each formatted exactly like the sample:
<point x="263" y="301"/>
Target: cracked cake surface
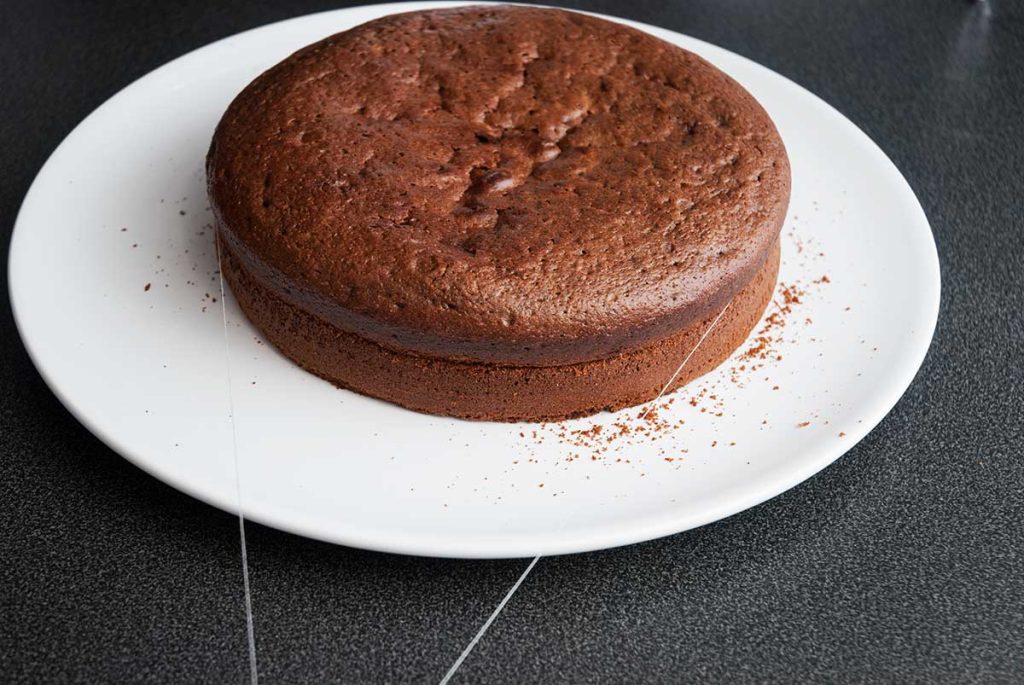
<point x="498" y="184"/>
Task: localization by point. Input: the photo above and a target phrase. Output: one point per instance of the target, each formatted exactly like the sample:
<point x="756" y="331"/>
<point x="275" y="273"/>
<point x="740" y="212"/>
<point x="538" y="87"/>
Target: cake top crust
<point x="500" y="184"/>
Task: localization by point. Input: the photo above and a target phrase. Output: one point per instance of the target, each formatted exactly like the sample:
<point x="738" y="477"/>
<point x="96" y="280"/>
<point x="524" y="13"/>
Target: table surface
<point x="901" y="562"/>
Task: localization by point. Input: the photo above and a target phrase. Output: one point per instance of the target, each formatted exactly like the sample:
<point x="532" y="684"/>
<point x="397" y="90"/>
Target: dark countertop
<point x="901" y="562"/>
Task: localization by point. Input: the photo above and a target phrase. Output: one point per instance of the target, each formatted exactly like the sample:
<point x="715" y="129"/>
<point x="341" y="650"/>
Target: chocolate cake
<point x="499" y="212"/>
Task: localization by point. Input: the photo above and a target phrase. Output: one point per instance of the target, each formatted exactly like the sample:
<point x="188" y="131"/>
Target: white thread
<point x="250" y="633"/>
<point x="700" y="342"/>
<point x="487" y="623"/>
<point x="508" y="596"/>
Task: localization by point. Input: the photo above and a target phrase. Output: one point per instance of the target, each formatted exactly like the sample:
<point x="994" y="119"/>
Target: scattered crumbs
<point x="842" y="434"/>
<point x="541" y="485"/>
<point x="770" y="334"/>
<point x="606" y="443"/>
<point x="181" y="211"/>
<point x="147" y="287"/>
<point x="123" y="230"/>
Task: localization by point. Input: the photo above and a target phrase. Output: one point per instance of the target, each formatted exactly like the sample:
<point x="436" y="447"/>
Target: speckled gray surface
<point x="901" y="562"/>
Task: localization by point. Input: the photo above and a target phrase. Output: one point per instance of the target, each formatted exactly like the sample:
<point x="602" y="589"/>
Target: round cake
<point x="501" y="213"/>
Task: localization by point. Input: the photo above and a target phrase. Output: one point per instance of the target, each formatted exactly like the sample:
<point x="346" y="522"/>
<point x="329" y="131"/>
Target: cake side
<point x="494" y="392"/>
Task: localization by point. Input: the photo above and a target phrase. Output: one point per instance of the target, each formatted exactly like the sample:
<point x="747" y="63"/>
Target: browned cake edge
<point x="494" y="392"/>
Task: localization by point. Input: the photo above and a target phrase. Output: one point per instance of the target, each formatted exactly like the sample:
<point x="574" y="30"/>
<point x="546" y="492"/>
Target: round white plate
<point x="115" y="291"/>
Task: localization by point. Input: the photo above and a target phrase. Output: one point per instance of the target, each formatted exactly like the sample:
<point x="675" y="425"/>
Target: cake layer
<point x="505" y="185"/>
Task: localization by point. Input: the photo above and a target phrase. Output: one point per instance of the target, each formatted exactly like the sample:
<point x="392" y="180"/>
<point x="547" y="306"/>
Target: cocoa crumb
<point x="791" y="294"/>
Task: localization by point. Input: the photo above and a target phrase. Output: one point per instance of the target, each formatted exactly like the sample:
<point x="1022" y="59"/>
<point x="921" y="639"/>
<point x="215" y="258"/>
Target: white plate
<point x="145" y="369"/>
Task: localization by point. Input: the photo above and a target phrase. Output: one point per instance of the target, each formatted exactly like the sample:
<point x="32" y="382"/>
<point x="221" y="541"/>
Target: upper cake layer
<point x="502" y="184"/>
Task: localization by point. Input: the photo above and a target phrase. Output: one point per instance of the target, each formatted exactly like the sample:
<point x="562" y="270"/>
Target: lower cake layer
<point x="492" y="392"/>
